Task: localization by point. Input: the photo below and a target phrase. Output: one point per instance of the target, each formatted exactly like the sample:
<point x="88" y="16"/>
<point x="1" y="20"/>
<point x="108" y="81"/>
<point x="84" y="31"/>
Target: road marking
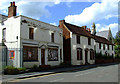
<point x="17" y="80"/>
<point x="57" y="80"/>
<point x="84" y="73"/>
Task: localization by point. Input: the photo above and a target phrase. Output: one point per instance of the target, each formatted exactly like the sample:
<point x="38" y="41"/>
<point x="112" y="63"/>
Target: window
<point x="78" y="39"/>
<point x="31" y="33"/>
<point x="92" y="54"/>
<point x="108" y="47"/>
<point x="99" y="45"/>
<point x="112" y="47"/>
<point x="103" y="46"/>
<point x="89" y="41"/>
<point x="52" y="37"/>
<point x="79" y="54"/>
<point x="4" y="34"/>
<point x="52" y="54"/>
<point x="30" y="53"/>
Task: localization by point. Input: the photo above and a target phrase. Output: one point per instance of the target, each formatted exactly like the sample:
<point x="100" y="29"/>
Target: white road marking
<point x="84" y="73"/>
<point x="57" y="80"/>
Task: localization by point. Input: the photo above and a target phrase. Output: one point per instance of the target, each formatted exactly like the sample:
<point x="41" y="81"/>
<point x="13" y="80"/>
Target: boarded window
<point x="99" y="45"/>
<point x="30" y="53"/>
<point x="79" y="54"/>
<point x="78" y="39"/>
<point x="89" y="41"/>
<point x="52" y="54"/>
<point x="4" y="34"/>
<point x="31" y="33"/>
<point x="52" y="37"/>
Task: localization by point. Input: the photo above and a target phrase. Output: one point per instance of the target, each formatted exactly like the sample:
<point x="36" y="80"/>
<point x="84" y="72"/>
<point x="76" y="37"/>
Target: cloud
<point x="28" y="8"/>
<point x="113" y="27"/>
<point x="97" y="11"/>
<point x="54" y="24"/>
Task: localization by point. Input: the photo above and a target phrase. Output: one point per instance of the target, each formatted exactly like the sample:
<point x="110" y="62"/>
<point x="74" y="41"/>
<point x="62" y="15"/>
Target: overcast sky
<point x="83" y="12"/>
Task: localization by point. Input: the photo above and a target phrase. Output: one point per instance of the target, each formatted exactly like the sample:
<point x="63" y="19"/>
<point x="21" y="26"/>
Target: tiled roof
<point x="78" y="30"/>
<point x="102" y="40"/>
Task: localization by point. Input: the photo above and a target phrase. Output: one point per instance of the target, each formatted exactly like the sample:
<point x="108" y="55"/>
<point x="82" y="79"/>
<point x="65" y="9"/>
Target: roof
<point x="78" y="30"/>
<point x="102" y="40"/>
<point x="103" y="33"/>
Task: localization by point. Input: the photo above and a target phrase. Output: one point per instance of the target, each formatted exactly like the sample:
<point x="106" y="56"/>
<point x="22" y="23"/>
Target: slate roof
<point x="103" y="33"/>
<point x="78" y="30"/>
<point x="102" y="40"/>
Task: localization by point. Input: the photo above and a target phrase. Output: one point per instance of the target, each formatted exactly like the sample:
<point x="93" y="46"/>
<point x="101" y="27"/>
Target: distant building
<point x="30" y="42"/>
<point x="106" y="34"/>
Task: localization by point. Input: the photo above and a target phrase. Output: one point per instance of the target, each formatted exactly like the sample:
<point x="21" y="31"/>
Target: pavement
<point x="6" y="78"/>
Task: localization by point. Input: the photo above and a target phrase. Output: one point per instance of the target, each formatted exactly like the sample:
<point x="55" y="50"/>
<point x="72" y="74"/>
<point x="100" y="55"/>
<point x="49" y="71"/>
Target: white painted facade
<point x="83" y="45"/>
<point x="17" y="36"/>
<point x="110" y="51"/>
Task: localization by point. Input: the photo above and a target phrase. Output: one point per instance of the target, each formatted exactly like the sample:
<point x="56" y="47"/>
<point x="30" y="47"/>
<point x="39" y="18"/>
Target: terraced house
<point x="30" y="42"/>
<point x="78" y="44"/>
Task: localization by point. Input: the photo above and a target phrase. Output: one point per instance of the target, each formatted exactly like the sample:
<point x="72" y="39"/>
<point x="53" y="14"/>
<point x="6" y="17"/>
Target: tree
<point x="117" y="45"/>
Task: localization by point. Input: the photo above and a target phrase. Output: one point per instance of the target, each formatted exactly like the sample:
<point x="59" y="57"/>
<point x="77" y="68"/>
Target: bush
<point x="13" y="70"/>
<point x="34" y="66"/>
<point x="100" y="56"/>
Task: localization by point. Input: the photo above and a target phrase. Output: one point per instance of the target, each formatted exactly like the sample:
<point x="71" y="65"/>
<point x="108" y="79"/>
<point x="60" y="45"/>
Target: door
<point x="42" y="56"/>
<point x="86" y="57"/>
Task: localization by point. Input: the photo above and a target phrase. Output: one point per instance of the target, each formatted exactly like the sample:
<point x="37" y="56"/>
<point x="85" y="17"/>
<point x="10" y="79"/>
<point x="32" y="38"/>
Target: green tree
<point x="117" y="45"/>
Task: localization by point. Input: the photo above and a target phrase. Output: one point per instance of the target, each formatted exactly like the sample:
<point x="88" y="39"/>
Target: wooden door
<point x="42" y="56"/>
<point x="86" y="56"/>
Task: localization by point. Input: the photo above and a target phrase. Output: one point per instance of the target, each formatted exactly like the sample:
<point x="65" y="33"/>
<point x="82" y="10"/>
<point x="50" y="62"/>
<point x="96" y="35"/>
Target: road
<point x="98" y="74"/>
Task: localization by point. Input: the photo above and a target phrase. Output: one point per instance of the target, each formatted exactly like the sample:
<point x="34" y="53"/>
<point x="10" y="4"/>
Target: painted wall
<point x="110" y="51"/>
<point x="83" y="44"/>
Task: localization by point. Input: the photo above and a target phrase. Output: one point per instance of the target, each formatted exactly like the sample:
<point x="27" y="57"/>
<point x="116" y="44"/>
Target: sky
<point x="104" y="13"/>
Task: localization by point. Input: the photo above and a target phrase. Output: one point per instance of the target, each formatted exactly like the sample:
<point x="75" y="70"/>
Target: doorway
<point x="42" y="56"/>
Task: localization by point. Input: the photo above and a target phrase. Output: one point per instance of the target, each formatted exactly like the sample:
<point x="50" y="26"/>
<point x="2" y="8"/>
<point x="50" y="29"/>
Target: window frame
<point x="79" y="54"/>
<point x="89" y="41"/>
<point x="31" y="33"/>
<point x="78" y="39"/>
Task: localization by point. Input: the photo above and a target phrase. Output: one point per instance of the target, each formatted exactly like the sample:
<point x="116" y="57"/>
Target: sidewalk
<point x="6" y="78"/>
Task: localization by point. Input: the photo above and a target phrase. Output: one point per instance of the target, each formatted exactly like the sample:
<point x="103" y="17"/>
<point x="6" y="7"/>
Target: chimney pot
<point x="10" y="3"/>
<point x="13" y="3"/>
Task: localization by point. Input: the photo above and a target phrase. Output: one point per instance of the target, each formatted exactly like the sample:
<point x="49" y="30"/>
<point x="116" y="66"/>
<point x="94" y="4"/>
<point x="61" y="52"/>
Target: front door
<point x="86" y="57"/>
<point x="42" y="56"/>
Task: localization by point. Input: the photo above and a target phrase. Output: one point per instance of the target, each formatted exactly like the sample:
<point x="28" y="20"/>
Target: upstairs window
<point x="78" y="39"/>
<point x="31" y="33"/>
<point x="99" y="45"/>
<point x="52" y="37"/>
<point x="4" y="34"/>
<point x="89" y="41"/>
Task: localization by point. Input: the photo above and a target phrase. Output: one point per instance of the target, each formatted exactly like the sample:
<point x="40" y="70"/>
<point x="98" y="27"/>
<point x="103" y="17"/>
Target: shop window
<point x="30" y="53"/>
<point x="52" y="54"/>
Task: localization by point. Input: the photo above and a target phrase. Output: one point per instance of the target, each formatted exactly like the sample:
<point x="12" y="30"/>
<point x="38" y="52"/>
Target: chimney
<point x="12" y="9"/>
<point x="84" y="27"/>
<point x="61" y="22"/>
